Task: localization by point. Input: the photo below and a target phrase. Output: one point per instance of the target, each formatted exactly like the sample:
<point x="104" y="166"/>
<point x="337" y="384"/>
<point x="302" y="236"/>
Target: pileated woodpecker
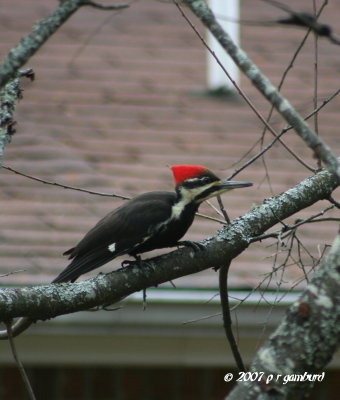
<point x="149" y="221"/>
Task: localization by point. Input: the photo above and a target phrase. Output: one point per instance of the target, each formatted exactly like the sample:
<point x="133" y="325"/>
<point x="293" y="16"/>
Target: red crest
<point x="183" y="172"/>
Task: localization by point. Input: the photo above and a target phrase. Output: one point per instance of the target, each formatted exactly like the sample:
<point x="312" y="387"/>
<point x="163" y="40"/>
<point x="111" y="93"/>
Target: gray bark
<point x="9" y="94"/>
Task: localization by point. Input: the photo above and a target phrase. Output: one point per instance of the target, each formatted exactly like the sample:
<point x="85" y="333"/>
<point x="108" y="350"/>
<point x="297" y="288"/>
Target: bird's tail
<point x="83" y="264"/>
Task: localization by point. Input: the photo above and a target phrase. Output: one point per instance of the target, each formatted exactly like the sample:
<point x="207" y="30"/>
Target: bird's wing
<point x="128" y="225"/>
<point x="118" y="233"/>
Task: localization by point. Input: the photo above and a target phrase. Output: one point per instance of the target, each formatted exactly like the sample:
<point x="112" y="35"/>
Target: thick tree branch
<point x="303" y="343"/>
<point x="201" y="9"/>
<point x="48" y="301"/>
<point x="9" y="95"/>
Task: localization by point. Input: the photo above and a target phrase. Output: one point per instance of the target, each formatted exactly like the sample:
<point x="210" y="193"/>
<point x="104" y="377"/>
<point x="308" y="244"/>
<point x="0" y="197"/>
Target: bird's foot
<point x="137" y="260"/>
<point x="194" y="245"/>
<point x="138" y="263"/>
<point x="127" y="263"/>
<point x="144" y="299"/>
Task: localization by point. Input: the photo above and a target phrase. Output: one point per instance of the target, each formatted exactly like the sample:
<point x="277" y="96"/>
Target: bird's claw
<point x="127" y="263"/>
<point x="137" y="262"/>
<point x="196" y="246"/>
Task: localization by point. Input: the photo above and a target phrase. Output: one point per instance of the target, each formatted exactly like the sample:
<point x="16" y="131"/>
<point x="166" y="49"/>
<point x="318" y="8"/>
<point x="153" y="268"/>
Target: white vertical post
<point x="227" y="14"/>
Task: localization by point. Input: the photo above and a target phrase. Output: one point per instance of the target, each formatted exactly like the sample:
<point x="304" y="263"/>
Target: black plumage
<point x="135" y="227"/>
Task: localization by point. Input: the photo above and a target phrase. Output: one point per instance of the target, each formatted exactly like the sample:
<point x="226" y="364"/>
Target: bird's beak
<point x="220" y="187"/>
<point x="228" y="185"/>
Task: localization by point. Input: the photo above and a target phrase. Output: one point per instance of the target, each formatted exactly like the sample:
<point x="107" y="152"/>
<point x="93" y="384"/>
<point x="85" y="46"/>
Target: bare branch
<point x="271" y="144"/>
<point x="241" y="92"/>
<point x="283" y="78"/>
<point x="227" y="322"/>
<point x="281" y="104"/>
<point x="41" y="32"/>
<point x="12" y="273"/>
<point x="333" y="201"/>
<point x="34" y="178"/>
<point x="286" y="228"/>
<point x="19" y="363"/>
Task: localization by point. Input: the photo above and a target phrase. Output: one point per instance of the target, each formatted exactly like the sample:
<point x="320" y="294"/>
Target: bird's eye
<point x="197" y="182"/>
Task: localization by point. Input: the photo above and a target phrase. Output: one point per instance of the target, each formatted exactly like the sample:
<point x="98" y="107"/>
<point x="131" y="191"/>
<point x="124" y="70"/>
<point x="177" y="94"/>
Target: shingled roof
<point x="120" y="96"/>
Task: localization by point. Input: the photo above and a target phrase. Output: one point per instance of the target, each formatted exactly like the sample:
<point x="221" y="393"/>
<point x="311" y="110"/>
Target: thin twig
<point x="103" y="194"/>
<point x="227" y="322"/>
<point x="215" y="208"/>
<point x="34" y="178"/>
<point x="19" y="363"/>
<point x="265" y="149"/>
<point x="286" y="228"/>
<point x="334" y="202"/>
<point x="320" y="149"/>
<point x="223" y="210"/>
<point x="40" y="33"/>
<point x="193" y="321"/>
<point x="220" y="221"/>
<point x="315" y="94"/>
<point x="283" y="78"/>
<point x="284" y="75"/>
<point x="226" y="312"/>
<point x="12" y="273"/>
<point x="240" y="91"/>
<point x="88" y="39"/>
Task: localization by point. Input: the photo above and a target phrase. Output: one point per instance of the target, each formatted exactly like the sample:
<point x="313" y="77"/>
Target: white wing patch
<point x="112" y="247"/>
